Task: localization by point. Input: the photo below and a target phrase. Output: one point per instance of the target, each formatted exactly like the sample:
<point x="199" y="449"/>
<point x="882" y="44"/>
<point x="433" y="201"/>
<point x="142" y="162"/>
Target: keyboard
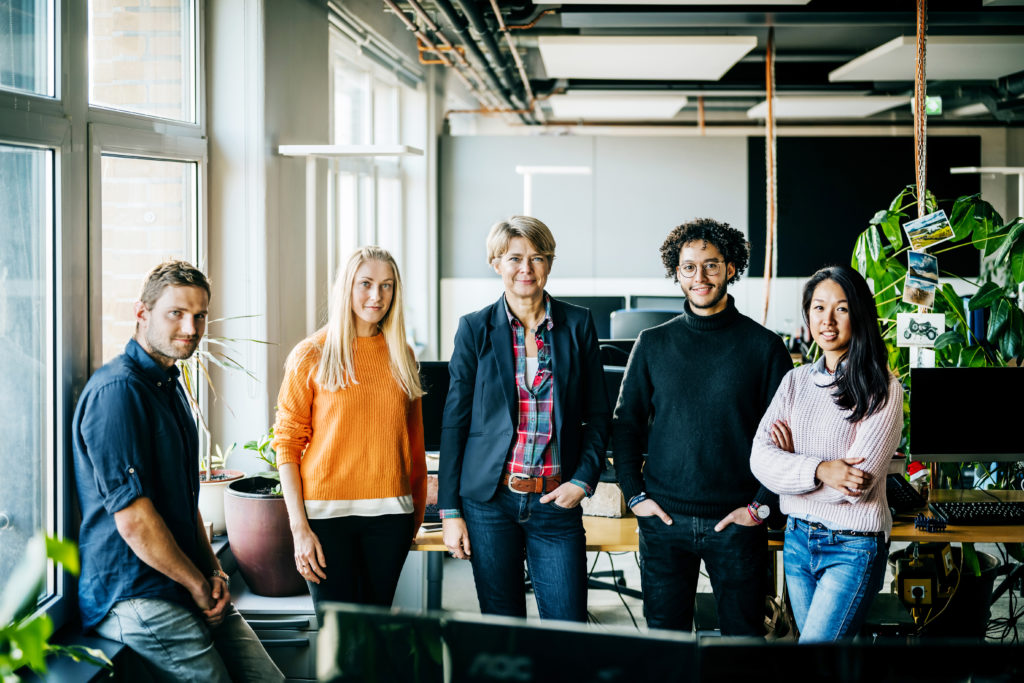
<point x="980" y="512"/>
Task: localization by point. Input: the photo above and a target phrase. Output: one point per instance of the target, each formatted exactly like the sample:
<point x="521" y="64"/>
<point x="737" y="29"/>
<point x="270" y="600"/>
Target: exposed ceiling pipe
<point x="477" y="22"/>
<point x="480" y="94"/>
<point x="530" y="99"/>
<point x="492" y="101"/>
<point x="458" y="24"/>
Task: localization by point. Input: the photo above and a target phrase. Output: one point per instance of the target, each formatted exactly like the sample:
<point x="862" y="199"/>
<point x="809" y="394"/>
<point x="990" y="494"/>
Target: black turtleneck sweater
<point x="698" y="386"/>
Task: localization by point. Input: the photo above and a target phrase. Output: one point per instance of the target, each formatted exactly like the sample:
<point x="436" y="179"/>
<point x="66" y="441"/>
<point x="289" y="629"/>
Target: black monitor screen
<point x="942" y="427"/>
<point x="601" y="308"/>
<point x="359" y="643"/>
<point x="434" y="377"/>
<point x="506" y="649"/>
<point x="664" y="303"/>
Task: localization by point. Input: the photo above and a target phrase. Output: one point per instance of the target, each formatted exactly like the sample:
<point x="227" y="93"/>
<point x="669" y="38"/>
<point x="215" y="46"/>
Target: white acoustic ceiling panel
<point x="603" y="106"/>
<point x="827" y="107"/>
<point x="696" y="58"/>
<point x="948" y="58"/>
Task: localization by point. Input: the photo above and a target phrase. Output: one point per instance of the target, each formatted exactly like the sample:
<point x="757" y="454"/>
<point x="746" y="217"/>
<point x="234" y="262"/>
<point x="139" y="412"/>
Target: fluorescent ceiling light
<point x="982" y="58"/>
<point x="669" y="58"/>
<point x="611" y="107"/>
<point x="826" y="107"/>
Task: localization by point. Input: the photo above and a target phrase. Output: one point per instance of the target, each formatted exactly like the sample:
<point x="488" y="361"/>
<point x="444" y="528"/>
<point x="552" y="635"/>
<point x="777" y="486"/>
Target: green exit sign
<point x="932" y="105"/>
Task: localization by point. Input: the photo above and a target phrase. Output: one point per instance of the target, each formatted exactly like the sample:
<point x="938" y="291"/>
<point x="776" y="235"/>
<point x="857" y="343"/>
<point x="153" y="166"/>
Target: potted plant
<point x="258" y="529"/>
<point x="212" y="482"/>
<point x="876" y="255"/>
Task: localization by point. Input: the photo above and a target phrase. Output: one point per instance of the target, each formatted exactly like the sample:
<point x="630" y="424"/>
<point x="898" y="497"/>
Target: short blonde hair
<point x="531" y="229"/>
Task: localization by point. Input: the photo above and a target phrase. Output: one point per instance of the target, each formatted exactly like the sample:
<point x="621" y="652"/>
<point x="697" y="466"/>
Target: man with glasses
<point x="695" y="389"/>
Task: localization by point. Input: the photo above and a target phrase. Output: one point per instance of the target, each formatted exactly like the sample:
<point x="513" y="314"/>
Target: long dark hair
<point x="862" y="378"/>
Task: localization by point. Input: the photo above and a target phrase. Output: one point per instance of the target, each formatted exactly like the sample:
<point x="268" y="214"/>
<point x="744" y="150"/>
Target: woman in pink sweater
<point x="824" y="446"/>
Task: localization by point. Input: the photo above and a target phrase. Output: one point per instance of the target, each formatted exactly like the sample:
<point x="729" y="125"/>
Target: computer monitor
<point x="601" y="308"/>
<point x="628" y="324"/>
<point x="360" y="643"/>
<point x="966" y="414"/>
<point x="486" y="648"/>
<point x="434" y="378"/>
<point x="664" y="303"/>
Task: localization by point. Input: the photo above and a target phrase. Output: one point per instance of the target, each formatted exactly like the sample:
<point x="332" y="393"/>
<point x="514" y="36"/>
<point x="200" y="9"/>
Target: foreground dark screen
<point x="434" y="377"/>
<point x="966" y="414"/>
<point x="829" y="188"/>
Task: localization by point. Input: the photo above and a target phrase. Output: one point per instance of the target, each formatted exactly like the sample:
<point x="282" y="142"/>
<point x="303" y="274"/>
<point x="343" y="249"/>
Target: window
<point x="142" y="57"/>
<point x="26" y="46"/>
<point x="148" y="215"/>
<point x="27" y="335"/>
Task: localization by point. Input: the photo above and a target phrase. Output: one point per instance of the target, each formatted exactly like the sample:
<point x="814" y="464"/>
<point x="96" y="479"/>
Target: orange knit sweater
<point x="361" y="442"/>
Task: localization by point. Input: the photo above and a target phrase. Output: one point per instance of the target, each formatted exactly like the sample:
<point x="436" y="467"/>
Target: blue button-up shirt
<point x="134" y="436"/>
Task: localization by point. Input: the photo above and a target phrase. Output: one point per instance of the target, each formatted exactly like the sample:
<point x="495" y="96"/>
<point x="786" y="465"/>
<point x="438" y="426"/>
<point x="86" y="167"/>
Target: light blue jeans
<point x="831" y="578"/>
<point x="177" y="645"/>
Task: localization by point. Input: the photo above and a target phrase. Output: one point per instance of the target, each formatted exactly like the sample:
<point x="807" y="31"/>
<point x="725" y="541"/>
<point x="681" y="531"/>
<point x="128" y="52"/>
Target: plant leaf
<point x="63" y="551"/>
<point x="972" y="357"/>
<point x="1012" y="339"/>
<point x="1017" y="262"/>
<point x="1014" y="234"/>
<point x="962" y="217"/>
<point x="985" y="296"/>
<point x="948" y="338"/>
<point x="891" y="228"/>
<point x="1000" y="313"/>
<point x="22" y="587"/>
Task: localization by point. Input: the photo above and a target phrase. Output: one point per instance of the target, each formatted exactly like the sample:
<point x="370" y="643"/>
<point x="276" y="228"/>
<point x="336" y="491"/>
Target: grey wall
<point x="608" y="224"/>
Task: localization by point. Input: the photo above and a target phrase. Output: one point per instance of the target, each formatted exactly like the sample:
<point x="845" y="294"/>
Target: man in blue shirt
<point x="149" y="576"/>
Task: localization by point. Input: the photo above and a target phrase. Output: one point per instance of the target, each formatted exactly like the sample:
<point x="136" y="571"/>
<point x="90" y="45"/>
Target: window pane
<point x="142" y="57"/>
<point x="26" y="397"/>
<point x="149" y="215"/>
<point x="26" y="46"/>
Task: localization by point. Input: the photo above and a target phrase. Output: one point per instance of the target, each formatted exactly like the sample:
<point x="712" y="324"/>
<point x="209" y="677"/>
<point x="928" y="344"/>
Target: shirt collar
<point x="821" y="373"/>
<point x="150" y="368"/>
<point x="546" y="323"/>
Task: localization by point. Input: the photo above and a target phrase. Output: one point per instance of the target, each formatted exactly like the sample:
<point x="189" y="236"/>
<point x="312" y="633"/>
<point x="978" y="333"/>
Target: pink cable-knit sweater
<point x="820" y="433"/>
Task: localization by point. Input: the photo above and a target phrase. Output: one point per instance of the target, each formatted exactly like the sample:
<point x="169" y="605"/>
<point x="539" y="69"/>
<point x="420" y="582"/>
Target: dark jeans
<point x="736" y="560"/>
<point x="365" y="556"/>
<point x="512" y="526"/>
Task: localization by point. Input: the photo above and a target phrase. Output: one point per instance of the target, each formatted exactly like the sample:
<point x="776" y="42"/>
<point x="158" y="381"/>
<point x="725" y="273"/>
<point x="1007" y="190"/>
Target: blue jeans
<point x="512" y="526"/>
<point x="831" y="578"/>
<point x="177" y="645"/>
<point x="736" y="558"/>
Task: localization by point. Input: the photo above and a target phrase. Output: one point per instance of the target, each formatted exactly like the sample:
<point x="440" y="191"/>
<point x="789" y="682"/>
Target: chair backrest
<point x="629" y="323"/>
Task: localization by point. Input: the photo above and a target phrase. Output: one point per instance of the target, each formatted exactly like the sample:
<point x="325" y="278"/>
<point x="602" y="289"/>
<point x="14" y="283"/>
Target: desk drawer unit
<point x="293" y="650"/>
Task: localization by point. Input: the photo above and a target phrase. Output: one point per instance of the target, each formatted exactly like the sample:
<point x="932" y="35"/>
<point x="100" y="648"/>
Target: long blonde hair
<point x="337" y="370"/>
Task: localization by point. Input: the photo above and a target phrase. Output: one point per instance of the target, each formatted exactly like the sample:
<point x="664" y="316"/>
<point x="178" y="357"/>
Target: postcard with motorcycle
<point x="919" y="329"/>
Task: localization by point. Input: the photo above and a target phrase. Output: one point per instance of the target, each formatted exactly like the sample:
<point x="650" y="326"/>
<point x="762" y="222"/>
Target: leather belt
<point x="522" y="484"/>
<point x="842" y="532"/>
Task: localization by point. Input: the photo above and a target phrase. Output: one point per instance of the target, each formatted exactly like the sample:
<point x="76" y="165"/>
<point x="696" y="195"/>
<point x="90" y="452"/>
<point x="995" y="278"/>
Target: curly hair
<point x="734" y="246"/>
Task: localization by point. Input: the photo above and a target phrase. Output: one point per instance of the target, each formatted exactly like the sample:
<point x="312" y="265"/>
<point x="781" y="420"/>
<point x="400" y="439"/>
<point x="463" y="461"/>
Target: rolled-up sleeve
<point x="115" y="432"/>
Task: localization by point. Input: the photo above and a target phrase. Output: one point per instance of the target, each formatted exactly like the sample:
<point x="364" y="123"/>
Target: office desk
<point x="620" y="534"/>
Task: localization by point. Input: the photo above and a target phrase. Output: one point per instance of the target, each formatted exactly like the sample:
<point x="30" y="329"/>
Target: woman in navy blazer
<point x="523" y="434"/>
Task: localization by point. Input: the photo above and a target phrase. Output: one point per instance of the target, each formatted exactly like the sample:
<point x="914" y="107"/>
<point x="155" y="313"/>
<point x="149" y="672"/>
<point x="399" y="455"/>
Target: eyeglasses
<point x="711" y="268"/>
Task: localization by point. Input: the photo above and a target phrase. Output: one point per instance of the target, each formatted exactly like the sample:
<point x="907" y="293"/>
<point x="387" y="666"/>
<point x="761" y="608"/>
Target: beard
<point x="718" y="294"/>
<point x="168" y="349"/>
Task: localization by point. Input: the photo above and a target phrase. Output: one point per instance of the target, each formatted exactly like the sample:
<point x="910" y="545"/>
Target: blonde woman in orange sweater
<point x="349" y="439"/>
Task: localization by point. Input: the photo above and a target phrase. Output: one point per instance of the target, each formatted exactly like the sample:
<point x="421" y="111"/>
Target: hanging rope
<point x="920" y="118"/>
<point x="700" y="113"/>
<point x="771" y="198"/>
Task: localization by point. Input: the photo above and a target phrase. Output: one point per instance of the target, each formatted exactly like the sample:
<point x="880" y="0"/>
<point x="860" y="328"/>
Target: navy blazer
<point x="482" y="410"/>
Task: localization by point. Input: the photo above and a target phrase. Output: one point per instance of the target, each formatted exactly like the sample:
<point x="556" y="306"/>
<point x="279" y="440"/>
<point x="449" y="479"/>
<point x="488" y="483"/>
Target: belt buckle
<point x="512" y="477"/>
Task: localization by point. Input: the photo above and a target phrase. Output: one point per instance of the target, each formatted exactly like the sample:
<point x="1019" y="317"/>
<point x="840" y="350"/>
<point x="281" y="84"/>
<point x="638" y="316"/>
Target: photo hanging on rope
<point x="919" y="329"/>
<point x="928" y="231"/>
<point x="922" y="279"/>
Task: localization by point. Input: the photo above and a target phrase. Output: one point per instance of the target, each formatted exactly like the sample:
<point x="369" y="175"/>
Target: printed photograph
<point x="922" y="266"/>
<point x="928" y="231"/>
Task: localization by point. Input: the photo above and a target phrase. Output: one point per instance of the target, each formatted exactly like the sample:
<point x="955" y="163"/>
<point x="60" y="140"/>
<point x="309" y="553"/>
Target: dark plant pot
<point x="261" y="539"/>
<point x="967" y="614"/>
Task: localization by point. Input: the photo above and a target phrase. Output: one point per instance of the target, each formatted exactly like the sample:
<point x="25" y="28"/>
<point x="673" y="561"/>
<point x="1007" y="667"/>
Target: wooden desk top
<point x="620" y="534"/>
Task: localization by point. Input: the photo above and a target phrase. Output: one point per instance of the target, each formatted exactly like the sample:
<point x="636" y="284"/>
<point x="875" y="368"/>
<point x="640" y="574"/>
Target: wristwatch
<point x="220" y="573"/>
<point x="759" y="512"/>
